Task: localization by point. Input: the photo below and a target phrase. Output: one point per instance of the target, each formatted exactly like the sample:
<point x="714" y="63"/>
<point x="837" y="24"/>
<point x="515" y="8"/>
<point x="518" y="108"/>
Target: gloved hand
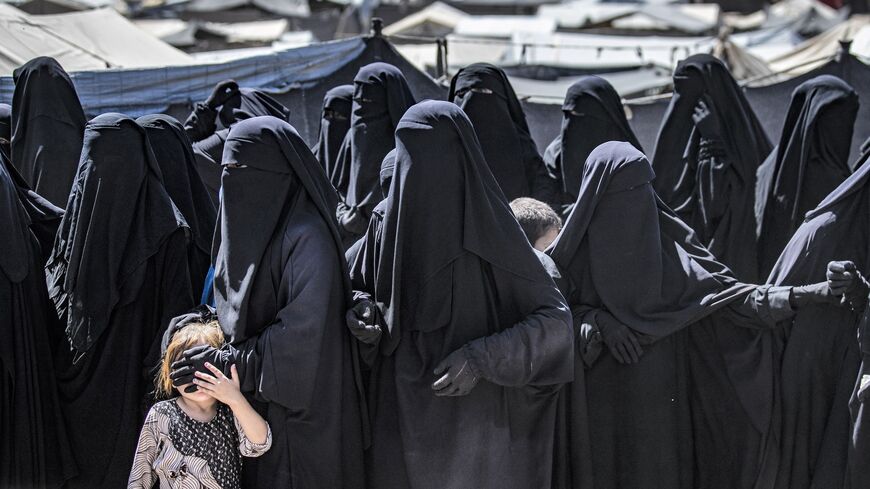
<point x="819" y="293"/>
<point x="361" y="322"/>
<point x="459" y="379"/>
<point x="222" y="92"/>
<point x="706" y="121"/>
<point x="620" y="340"/>
<point x="844" y="279"/>
<point x="194" y="359"/>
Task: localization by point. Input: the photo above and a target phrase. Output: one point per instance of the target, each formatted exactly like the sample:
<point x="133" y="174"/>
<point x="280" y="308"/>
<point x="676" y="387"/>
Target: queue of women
<point x="692" y="318"/>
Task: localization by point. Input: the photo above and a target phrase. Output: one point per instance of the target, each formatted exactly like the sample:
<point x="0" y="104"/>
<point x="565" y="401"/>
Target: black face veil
<point x="485" y="94"/>
<point x="809" y="162"/>
<point x="279" y="169"/>
<point x="119" y="215"/>
<point x="441" y="205"/>
<point x="593" y="114"/>
<point x="334" y="124"/>
<point x="248" y="103"/>
<point x="47" y="127"/>
<point x="381" y="97"/>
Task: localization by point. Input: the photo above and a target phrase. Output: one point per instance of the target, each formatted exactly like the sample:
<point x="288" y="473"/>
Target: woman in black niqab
<point x="477" y="336"/>
<point x="44" y="217"/>
<point x="47" y="128"/>
<point x="592" y="115"/>
<point x="174" y="155"/>
<point x="34" y="449"/>
<point x="117" y="274"/>
<point x="381" y="97"/>
<point x="706" y="172"/>
<point x="334" y="124"/>
<point x="485" y="94"/>
<point x="227" y="104"/>
<point x="811" y="160"/>
<point x="695" y="410"/>
<point x="821" y="359"/>
<point x="281" y="293"/>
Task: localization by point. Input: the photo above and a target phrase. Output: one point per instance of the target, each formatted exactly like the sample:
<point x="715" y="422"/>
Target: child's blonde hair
<point x="199" y="333"/>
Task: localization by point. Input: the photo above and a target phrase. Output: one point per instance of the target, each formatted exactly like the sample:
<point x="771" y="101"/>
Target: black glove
<point x="818" y="293"/>
<point x="222" y="92"/>
<point x="844" y="279"/>
<point x="194" y="360"/>
<point x="361" y="322"/>
<point x="459" y="379"/>
<point x="620" y="340"/>
<point x="706" y="121"/>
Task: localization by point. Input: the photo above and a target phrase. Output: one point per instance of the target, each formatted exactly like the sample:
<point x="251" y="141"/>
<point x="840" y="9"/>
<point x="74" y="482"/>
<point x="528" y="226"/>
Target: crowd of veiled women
<point x="700" y="321"/>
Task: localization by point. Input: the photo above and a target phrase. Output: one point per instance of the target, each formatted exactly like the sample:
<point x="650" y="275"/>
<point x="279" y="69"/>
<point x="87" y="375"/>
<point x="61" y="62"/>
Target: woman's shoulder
<point x="161" y="410"/>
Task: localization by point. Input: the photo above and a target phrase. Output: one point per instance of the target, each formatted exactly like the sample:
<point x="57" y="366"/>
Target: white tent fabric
<point x="94" y="39"/>
<point x="257" y="31"/>
<point x="176" y="32"/>
<point x="435" y="17"/>
<point x="502" y="26"/>
<point x="820" y="49"/>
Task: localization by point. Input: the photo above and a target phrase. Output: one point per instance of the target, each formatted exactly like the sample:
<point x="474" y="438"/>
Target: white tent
<point x="94" y="39"/>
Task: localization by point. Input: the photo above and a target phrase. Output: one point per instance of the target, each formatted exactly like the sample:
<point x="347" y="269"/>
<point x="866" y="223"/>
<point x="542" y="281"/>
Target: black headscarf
<point x="248" y="103"/>
<point x="381" y="97"/>
<point x="809" y="162"/>
<point x="334" y="124"/>
<point x="717" y="202"/>
<point x="175" y="157"/>
<point x="603" y="119"/>
<point x="667" y="279"/>
<point x="500" y="124"/>
<point x="388" y="167"/>
<point x="47" y="128"/>
<point x="452" y="205"/>
<point x="119" y="215"/>
<point x="280" y="170"/>
<point x="44" y="216"/>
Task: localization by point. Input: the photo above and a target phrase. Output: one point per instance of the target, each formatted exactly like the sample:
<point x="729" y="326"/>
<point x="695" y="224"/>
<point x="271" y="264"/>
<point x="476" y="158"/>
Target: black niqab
<point x="334" y="124"/>
<point x="47" y="128"/>
<point x="279" y="168"/>
<point x="500" y="124"/>
<point x="715" y="199"/>
<point x="592" y="115"/>
<point x="119" y="215"/>
<point x="381" y="97"/>
<point x="809" y="162"/>
<point x="182" y="182"/>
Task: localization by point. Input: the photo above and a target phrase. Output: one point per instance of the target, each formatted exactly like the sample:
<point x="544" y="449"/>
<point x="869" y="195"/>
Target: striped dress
<point x="183" y="453"/>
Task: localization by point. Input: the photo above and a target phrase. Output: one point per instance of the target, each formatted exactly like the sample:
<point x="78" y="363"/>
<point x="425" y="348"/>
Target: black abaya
<point x="34" y="449"/>
<point x="174" y="155"/>
<point x="282" y="290"/>
<point x="821" y="357"/>
<point x="334" y="124"/>
<point x="44" y="216"/>
<point x="711" y="184"/>
<point x="47" y="128"/>
<point x="381" y="96"/>
<point x="117" y="275"/>
<point x="452" y="271"/>
<point x="695" y="410"/>
<point x="485" y="95"/>
<point x="592" y="114"/>
<point x="809" y="162"/>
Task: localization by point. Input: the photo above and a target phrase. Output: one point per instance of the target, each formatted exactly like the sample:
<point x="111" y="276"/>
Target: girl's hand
<point x="219" y="386"/>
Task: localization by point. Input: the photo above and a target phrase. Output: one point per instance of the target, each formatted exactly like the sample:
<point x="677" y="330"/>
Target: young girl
<point x="198" y="439"/>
